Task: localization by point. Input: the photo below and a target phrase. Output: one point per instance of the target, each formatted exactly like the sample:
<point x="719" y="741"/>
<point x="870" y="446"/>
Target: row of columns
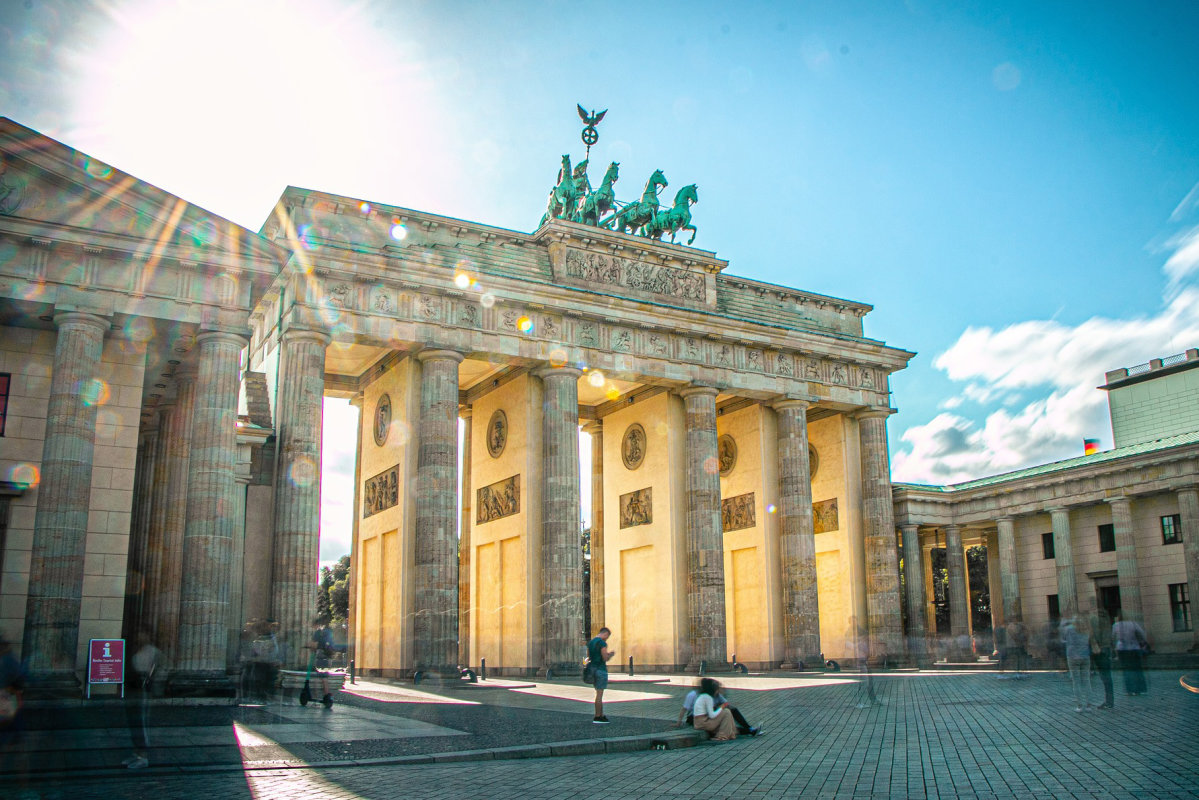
<point x="1009" y="605"/>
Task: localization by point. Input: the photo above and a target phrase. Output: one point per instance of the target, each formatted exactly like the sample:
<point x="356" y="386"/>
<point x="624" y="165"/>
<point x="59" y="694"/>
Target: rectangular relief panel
<point x="500" y="499"/>
<point x="381" y="492"/>
<point x="637" y="508"/>
<point x="738" y="512"/>
<point x="824" y="516"/>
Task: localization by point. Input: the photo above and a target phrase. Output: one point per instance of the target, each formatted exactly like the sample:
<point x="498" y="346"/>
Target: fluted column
<point x="52" y="606"/>
<point x="797" y="539"/>
<point x="913" y="574"/>
<point x="211" y="504"/>
<point x="561" y="542"/>
<point x="136" y="610"/>
<point x="1127" y="571"/>
<point x="705" y="545"/>
<point x="1188" y="513"/>
<point x="169" y="528"/>
<point x="352" y="611"/>
<point x="878" y="521"/>
<point x="1063" y="556"/>
<point x="464" y="573"/>
<point x="595" y="430"/>
<point x="300" y="415"/>
<point x="1009" y="572"/>
<point x="435" y="645"/>
<point x="959" y="596"/>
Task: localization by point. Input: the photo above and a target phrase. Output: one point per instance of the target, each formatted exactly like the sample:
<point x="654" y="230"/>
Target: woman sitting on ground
<point x="711" y="717"/>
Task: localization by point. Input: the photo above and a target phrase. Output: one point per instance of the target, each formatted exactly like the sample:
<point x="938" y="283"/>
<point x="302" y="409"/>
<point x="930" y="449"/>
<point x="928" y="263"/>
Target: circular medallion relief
<point x="382" y="425"/>
<point x="632" y="446"/>
<point x="813" y="462"/>
<point x="497" y="433"/>
<point x="726" y="453"/>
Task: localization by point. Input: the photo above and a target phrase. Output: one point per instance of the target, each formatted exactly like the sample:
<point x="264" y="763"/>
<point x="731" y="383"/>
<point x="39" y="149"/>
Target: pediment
<point x="50" y="191"/>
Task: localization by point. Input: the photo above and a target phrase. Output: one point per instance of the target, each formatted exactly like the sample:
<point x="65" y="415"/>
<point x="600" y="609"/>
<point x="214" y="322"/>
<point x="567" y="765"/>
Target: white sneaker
<point x="139" y="762"/>
<point x="1078" y="709"/>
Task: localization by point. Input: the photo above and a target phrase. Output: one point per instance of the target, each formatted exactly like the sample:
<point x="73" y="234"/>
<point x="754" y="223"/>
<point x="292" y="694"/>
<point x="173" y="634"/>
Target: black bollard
<point x="482" y="669"/>
<point x="630" y="666"/>
<point x="352" y="676"/>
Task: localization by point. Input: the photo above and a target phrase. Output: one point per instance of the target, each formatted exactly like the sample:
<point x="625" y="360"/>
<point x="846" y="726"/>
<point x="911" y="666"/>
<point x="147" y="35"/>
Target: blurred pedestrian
<point x="598" y="656"/>
<point x="1101" y="630"/>
<point x="147" y="669"/>
<point x="1017" y="646"/>
<point x="711" y="716"/>
<point x="1131" y="644"/>
<point x="687" y="715"/>
<point x="1079" y="647"/>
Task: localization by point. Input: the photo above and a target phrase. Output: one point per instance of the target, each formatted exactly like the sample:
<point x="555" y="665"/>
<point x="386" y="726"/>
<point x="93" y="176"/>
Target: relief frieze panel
<point x="824" y="516"/>
<point x="500" y="499"/>
<point x="737" y="513"/>
<point x="381" y="492"/>
<point x="637" y="508"/>
<point x="597" y="268"/>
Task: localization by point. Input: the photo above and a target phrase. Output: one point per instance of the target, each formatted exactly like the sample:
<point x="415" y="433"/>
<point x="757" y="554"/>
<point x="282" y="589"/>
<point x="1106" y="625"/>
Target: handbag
<point x="588" y="672"/>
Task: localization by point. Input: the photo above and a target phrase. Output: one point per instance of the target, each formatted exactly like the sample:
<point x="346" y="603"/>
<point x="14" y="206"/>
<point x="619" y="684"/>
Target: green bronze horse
<point x="595" y="204"/>
<point x="635" y="215"/>
<point x="675" y="219"/>
<point x="562" y="196"/>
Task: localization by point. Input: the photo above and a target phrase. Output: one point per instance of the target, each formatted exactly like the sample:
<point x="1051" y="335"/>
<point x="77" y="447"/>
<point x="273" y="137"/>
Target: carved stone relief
<point x="632" y="446"/>
<point x="622" y="340"/>
<point x="497" y="433"/>
<point x="382" y="421"/>
<point x="866" y="379"/>
<point x="693" y="349"/>
<point x="637" y="508"/>
<point x="500" y="499"/>
<point x="468" y="314"/>
<point x="784" y="364"/>
<point x="726" y="450"/>
<point x="426" y="307"/>
<point x="754" y="357"/>
<point x="738" y="512"/>
<point x="551" y="328"/>
<point x="339" y="295"/>
<point x="381" y="492"/>
<point x="724" y="356"/>
<point x="824" y="516"/>
<point x="813" y="462"/>
<point x="812" y="371"/>
<point x="615" y="271"/>
<point x="381" y="301"/>
<point x="587" y="334"/>
<point x="657" y="344"/>
<point x="838" y="373"/>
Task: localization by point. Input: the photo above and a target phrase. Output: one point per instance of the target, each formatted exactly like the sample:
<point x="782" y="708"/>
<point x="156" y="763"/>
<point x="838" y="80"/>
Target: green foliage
<point x="333" y="594"/>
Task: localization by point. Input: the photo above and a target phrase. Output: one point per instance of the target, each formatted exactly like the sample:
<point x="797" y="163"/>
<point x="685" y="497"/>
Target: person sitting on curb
<point x="710" y="716"/>
<point x="686" y="716"/>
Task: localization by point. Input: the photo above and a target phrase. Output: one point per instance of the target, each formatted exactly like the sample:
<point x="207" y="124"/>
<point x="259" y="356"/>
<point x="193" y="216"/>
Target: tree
<point x="333" y="593"/>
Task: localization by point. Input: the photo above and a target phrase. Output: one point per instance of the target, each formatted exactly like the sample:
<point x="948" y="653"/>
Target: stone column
<point x="211" y="505"/>
<point x="705" y="544"/>
<point x="994" y="582"/>
<point x="464" y="573"/>
<point x="561" y="537"/>
<point x="352" y="610"/>
<point x="913" y="574"/>
<point x="959" y="594"/>
<point x="435" y="639"/>
<point x="1063" y="556"/>
<point x="595" y="430"/>
<point x="300" y="414"/>
<point x="1188" y="513"/>
<point x="1126" y="558"/>
<point x="63" y="498"/>
<point x="797" y="540"/>
<point x="169" y="527"/>
<point x="1009" y="572"/>
<point x="878" y="522"/>
<point x="136" y="609"/>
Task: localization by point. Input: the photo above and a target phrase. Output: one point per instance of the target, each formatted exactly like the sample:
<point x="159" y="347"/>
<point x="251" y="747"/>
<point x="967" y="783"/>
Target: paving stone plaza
<point x="935" y="734"/>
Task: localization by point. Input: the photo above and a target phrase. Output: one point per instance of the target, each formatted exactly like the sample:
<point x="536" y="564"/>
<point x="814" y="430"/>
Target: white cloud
<point x="1059" y="366"/>
<point x="1184" y="262"/>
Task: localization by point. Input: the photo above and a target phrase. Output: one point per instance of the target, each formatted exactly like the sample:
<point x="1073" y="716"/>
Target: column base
<point x="708" y="667"/>
<point x="200" y="684"/>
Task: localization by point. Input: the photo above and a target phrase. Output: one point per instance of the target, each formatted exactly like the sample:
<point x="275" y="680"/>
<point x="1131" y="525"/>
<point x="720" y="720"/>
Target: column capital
<point x="306" y="334"/>
<point x="1118" y="499"/>
<point x="1005" y="518"/>
<point x="698" y="390"/>
<point x="552" y="371"/>
<point x="439" y="354"/>
<point x="874" y="412"/>
<point x="593" y="426"/>
<point x="1191" y="489"/>
<point x="909" y="526"/>
<point x="1057" y="509"/>
<point x="465" y="412"/>
<point x="81" y="319"/>
<point x="357" y="400"/>
<point x="803" y="402"/>
<point x="226" y="337"/>
<point x="953" y="526"/>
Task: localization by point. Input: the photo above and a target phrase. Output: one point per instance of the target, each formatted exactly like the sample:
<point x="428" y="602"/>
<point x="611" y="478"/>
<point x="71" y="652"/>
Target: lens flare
<point x="364" y="207"/>
<point x="27" y="475"/>
<point x="487" y="300"/>
<point x="613" y="393"/>
<point x="303" y="472"/>
<point x="462" y="280"/>
<point x="399" y="231"/>
<point x="770" y="508"/>
<point x="94" y="392"/>
<point x="557" y="357"/>
<point x="306" y="233"/>
<point x="712" y="465"/>
<point x="596" y="379"/>
<point x="524" y="325"/>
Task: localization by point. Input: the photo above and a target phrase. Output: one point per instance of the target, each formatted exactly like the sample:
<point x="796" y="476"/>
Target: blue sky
<point x="1012" y="185"/>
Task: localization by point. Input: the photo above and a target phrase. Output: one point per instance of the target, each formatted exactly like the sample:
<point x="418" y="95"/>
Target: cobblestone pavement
<point x="931" y="734"/>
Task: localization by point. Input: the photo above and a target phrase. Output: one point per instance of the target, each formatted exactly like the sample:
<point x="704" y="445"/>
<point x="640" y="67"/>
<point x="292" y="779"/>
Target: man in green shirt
<point x="597" y="656"/>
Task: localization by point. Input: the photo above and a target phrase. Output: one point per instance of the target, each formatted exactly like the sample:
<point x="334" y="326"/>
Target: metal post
<point x="630" y="666"/>
<point x="482" y="669"/>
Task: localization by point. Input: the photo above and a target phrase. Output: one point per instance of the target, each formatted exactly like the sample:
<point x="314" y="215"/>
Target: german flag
<point x="1090" y="446"/>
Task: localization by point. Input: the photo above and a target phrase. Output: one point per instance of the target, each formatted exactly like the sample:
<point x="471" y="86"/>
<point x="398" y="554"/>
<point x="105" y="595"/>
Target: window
<point x="1180" y="607"/>
<point x="1172" y="529"/>
<point x="1047" y="544"/>
<point x="1055" y="613"/>
<point x="1107" y="538"/>
<point x="5" y="380"/>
